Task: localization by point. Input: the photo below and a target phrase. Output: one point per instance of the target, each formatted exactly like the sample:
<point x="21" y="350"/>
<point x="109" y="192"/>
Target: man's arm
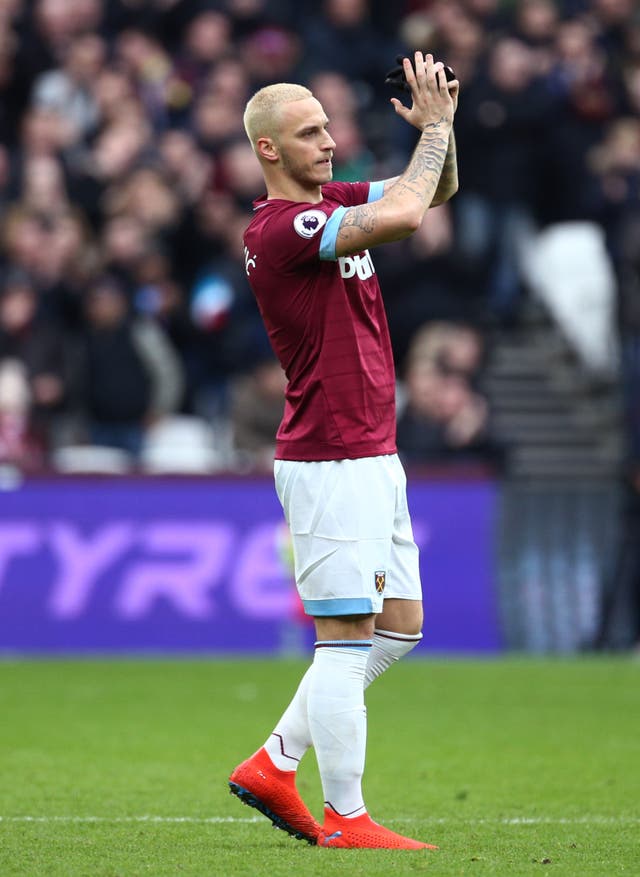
<point x="388" y="183"/>
<point x="448" y="182"/>
<point x="402" y="207"/>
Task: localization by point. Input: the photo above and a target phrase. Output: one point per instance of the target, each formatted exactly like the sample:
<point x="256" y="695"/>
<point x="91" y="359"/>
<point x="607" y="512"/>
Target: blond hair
<point x="261" y="113"/>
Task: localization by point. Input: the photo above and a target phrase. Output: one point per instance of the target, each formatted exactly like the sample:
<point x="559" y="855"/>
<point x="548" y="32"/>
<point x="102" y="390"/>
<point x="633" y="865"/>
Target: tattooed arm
<point x="402" y="207"/>
<point x="448" y="182"/>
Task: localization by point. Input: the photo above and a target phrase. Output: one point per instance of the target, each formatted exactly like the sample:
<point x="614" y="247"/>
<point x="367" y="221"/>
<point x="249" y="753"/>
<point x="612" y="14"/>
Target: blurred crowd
<point x="126" y="180"/>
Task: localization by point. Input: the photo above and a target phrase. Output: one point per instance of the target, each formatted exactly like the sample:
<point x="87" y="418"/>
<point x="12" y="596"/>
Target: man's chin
<point x="325" y="168"/>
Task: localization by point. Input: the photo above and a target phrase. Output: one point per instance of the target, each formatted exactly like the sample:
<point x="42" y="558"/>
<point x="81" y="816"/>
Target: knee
<point x="401" y="616"/>
<point x="345" y="627"/>
<point x="412" y="625"/>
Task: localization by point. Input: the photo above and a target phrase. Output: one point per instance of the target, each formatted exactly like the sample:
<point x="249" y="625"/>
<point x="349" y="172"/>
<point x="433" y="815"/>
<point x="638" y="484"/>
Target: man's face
<point x="304" y="143"/>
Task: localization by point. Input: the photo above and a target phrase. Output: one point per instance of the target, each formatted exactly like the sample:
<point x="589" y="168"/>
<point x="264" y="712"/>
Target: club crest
<point x="381" y="578"/>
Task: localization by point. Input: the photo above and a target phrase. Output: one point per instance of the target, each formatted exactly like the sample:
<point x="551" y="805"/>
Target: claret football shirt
<point x="327" y="325"/>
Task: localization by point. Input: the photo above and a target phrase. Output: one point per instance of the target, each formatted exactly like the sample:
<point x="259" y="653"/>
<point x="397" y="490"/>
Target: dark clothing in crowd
<point x="117" y="381"/>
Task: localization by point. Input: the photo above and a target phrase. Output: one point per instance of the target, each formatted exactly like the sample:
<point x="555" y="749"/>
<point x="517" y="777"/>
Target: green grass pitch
<point x="513" y="767"/>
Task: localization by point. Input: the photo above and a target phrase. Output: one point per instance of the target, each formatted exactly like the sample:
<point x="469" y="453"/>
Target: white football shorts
<point x="351" y="531"/>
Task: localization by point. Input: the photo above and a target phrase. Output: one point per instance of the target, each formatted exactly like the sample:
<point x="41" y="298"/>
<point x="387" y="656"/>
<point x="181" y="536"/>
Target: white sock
<point x="291" y="737"/>
<point x="388" y="647"/>
<point x="338" y="721"/>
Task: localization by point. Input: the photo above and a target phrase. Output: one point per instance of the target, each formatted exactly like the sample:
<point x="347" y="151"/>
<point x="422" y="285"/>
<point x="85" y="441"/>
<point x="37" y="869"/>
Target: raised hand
<point x="434" y="99"/>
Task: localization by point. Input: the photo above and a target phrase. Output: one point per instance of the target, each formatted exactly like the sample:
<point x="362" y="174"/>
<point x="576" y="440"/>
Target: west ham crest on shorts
<point x="381" y="578"/>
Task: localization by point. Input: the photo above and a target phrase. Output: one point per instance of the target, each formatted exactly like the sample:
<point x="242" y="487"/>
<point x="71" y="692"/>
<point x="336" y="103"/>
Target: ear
<point x="267" y="149"/>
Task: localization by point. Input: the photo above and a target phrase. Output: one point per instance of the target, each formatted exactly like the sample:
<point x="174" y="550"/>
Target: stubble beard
<point x="303" y="175"/>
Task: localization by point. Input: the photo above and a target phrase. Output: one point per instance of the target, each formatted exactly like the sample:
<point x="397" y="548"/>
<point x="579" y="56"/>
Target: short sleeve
<point x="297" y="234"/>
<point x="373" y="192"/>
<point x="293" y="235"/>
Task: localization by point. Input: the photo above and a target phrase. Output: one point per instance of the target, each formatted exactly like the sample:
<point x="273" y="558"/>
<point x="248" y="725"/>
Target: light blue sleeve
<point x="330" y="233"/>
<point x="376" y="191"/>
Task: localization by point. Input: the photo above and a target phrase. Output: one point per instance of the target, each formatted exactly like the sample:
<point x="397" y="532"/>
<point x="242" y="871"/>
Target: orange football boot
<point x="260" y="784"/>
<point x="362" y="832"/>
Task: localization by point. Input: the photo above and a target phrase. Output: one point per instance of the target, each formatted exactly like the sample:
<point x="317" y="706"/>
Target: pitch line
<point x="225" y="820"/>
<point x="527" y="820"/>
<point x="200" y="820"/>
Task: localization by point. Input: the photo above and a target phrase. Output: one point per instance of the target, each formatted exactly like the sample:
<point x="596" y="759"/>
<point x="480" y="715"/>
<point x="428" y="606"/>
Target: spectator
<point x="228" y="335"/>
<point x="238" y="173"/>
<point x="443" y="418"/>
<point x="340" y="36"/>
<point x="123" y="243"/>
<point x="499" y="128"/>
<point x="159" y="296"/>
<point x="204" y="44"/>
<point x="228" y="81"/>
<point x="35" y="370"/>
<point x="114" y="94"/>
<point x="145" y="195"/>
<point x="187" y="169"/>
<point x="214" y="122"/>
<point x="586" y="98"/>
<point x="132" y="375"/>
<point x="43" y="131"/>
<point x="460" y="38"/>
<point x="454" y="348"/>
<point x="151" y="69"/>
<point x="536" y="23"/>
<point x="68" y="91"/>
<point x="14" y="86"/>
<point x="421" y="279"/>
<point x="256" y="408"/>
<point x="271" y="54"/>
<point x="336" y="93"/>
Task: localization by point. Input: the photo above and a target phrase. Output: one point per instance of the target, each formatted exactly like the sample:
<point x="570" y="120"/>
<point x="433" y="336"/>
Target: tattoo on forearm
<point x="426" y="164"/>
<point x="362" y="217"/>
<point x="433" y="165"/>
<point x="448" y="181"/>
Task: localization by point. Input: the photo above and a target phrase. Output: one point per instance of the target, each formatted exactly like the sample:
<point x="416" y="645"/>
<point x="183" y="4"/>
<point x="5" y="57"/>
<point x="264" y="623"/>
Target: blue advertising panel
<point x="163" y="565"/>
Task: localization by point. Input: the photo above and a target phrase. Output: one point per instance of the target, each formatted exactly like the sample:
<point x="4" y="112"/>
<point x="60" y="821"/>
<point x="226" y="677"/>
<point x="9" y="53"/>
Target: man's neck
<point x="291" y="191"/>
